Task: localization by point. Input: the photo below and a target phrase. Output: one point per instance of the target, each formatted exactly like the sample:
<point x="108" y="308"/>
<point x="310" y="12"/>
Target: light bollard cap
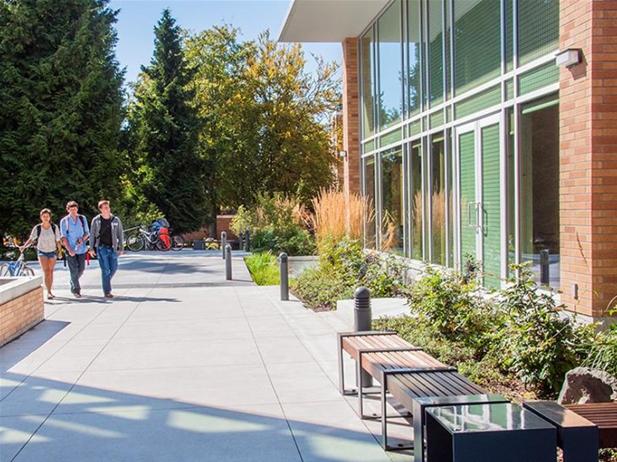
<point x="362" y="292"/>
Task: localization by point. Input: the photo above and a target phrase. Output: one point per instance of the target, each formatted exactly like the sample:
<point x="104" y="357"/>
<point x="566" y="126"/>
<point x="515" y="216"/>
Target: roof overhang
<point x="328" y="20"/>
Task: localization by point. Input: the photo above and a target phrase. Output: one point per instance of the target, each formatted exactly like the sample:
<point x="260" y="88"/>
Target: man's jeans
<point x="108" y="261"/>
<point x="77" y="265"/>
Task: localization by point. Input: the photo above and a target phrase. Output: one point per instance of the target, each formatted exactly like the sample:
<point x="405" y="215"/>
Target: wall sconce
<point x="568" y="58"/>
<point x="342" y="154"/>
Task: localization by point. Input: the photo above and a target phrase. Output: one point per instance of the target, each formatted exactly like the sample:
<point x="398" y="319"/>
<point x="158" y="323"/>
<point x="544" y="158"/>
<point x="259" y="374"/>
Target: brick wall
<point x="588" y="156"/>
<point x="351" y="117"/>
<point x="20" y="314"/>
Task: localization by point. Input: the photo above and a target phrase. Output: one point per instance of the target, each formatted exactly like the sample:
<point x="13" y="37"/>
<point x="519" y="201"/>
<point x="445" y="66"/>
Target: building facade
<point x="473" y="143"/>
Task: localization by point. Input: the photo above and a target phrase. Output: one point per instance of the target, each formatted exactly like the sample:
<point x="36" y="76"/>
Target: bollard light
<point x="228" y="262"/>
<point x="284" y="270"/>
<point x="362" y="321"/>
<point x="223" y="243"/>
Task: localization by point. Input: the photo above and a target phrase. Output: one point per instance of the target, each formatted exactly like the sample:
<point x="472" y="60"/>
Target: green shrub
<point x="344" y="266"/>
<point x="538" y="343"/>
<point x="452" y="304"/>
<point x="263" y="268"/>
<point x="293" y="241"/>
<point x="276" y="225"/>
<point x="603" y="353"/>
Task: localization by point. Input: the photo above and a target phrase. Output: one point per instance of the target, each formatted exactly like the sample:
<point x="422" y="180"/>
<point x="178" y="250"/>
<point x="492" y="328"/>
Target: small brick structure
<point x="21" y="307"/>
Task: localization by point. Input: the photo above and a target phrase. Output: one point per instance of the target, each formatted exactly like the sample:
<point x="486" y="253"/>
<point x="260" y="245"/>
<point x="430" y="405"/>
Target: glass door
<point x="480" y="189"/>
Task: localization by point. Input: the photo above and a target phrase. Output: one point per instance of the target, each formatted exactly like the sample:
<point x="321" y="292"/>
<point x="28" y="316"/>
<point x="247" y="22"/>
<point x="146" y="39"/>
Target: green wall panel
<point x="436" y="119"/>
<point x="538" y="78"/>
<point x="538" y="28"/>
<point x="390" y="138"/>
<point x="468" y="195"/>
<point x="369" y="146"/>
<point x="491" y="206"/>
<point x="476" y="103"/>
<point x="415" y="128"/>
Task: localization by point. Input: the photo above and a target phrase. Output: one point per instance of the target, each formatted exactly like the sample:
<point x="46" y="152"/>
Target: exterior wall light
<point x="342" y="154"/>
<point x="568" y="58"/>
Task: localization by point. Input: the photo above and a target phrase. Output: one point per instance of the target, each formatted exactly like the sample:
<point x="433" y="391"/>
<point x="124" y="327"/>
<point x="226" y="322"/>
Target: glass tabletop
<point x="471" y="418"/>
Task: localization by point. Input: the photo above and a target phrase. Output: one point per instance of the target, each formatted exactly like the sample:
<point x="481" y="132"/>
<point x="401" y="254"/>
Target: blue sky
<point x="138" y="17"/>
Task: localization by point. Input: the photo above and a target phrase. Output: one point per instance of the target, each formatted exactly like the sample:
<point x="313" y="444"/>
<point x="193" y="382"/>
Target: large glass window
<point x="392" y="213"/>
<point x="415" y="166"/>
<point x="390" y="66"/>
<point x="477" y="42"/>
<point x="414" y="44"/>
<point x="438" y="201"/>
<point x="538" y="28"/>
<point x="540" y="189"/>
<point x="435" y="50"/>
<point x="367" y="63"/>
<point x="369" y="194"/>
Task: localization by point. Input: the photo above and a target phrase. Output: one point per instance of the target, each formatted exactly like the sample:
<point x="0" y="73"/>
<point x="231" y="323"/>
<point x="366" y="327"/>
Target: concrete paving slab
<point x="180" y="366"/>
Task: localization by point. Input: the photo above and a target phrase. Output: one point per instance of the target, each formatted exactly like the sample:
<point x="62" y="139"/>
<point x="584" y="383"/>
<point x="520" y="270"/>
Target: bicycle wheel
<point x="135" y="242"/>
<point x="4" y="271"/>
<point x="26" y="271"/>
<point x="177" y="243"/>
<point x="163" y="245"/>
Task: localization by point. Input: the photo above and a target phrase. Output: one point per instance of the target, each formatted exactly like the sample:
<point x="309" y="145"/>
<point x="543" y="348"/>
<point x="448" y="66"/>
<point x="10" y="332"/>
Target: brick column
<point x="351" y="118"/>
<point x="588" y="156"/>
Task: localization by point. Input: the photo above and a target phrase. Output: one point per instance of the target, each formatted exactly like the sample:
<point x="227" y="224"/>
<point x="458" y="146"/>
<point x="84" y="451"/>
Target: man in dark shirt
<point x="107" y="238"/>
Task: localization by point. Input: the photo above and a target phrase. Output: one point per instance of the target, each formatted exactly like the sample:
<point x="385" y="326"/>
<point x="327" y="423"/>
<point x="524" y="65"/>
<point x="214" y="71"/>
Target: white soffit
<point x="328" y="20"/>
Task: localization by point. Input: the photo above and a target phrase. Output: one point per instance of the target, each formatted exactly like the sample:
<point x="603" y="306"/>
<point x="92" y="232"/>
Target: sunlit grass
<point x="264" y="268"/>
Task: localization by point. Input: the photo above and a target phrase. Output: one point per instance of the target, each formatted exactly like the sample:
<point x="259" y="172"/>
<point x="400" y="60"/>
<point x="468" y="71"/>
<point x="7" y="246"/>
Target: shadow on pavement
<point x="98" y="424"/>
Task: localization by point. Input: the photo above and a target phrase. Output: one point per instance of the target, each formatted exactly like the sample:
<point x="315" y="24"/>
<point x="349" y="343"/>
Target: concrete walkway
<point x="181" y="366"/>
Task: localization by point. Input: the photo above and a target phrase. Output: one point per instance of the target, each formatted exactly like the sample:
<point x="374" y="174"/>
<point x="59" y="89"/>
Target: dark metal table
<point x="421" y="404"/>
<point x="488" y="433"/>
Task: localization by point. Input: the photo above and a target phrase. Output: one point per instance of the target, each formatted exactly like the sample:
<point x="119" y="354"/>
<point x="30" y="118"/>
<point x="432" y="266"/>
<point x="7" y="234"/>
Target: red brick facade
<point x="20" y="314"/>
<point x="351" y="117"/>
<point x="588" y="156"/>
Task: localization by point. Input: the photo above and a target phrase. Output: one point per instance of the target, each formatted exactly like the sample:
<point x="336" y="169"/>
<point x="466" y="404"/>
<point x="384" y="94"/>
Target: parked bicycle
<point x="139" y="238"/>
<point x="16" y="268"/>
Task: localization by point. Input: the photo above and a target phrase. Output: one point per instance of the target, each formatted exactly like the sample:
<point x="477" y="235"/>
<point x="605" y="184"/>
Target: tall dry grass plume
<point x="334" y="218"/>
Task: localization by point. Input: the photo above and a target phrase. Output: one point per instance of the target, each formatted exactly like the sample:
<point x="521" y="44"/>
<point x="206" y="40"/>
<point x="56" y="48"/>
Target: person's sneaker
<point x="77" y="294"/>
<point x="109" y="295"/>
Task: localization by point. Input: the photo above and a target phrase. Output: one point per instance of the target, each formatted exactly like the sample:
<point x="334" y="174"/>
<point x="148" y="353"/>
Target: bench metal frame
<point x="341" y="365"/>
<point x="384" y="392"/>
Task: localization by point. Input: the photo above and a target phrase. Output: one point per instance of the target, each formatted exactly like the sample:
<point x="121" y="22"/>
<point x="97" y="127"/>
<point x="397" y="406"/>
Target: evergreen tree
<point x="61" y="108"/>
<point x="168" y="170"/>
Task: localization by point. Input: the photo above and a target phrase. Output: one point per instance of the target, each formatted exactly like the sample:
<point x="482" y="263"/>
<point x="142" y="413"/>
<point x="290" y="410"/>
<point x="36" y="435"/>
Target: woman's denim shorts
<point x="46" y="254"/>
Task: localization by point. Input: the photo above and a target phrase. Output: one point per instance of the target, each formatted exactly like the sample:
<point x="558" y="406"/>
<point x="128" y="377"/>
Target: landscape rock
<point x="585" y="385"/>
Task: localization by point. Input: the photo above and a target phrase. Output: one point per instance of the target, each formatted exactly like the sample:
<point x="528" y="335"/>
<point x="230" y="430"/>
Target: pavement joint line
<point x="54" y="353"/>
<point x="79" y="377"/>
<point x="276" y="303"/>
<point x="291" y="432"/>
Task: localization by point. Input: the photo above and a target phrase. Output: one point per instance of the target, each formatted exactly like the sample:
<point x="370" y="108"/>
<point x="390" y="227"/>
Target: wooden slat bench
<point x="576" y="436"/>
<point x="405" y="371"/>
<point x="355" y="344"/>
<point x="604" y="415"/>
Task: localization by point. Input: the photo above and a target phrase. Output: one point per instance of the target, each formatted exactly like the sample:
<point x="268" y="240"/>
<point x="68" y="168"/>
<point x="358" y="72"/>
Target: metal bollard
<point x="284" y="270"/>
<point x="247" y="241"/>
<point x="223" y="243"/>
<point x="228" y="262"/>
<point x="362" y="321"/>
<point x="544" y="267"/>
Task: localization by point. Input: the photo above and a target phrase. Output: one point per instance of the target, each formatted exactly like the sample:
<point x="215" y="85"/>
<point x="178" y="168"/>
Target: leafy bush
<point x="344" y="266"/>
<point x="538" y="342"/>
<point x="263" y="268"/>
<point x="603" y="353"/>
<point x="454" y="306"/>
<point x="293" y="241"/>
<point x="277" y="224"/>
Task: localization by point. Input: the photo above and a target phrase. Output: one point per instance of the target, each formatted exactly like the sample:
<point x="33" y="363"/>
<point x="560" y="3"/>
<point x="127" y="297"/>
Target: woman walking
<point x="47" y="238"/>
